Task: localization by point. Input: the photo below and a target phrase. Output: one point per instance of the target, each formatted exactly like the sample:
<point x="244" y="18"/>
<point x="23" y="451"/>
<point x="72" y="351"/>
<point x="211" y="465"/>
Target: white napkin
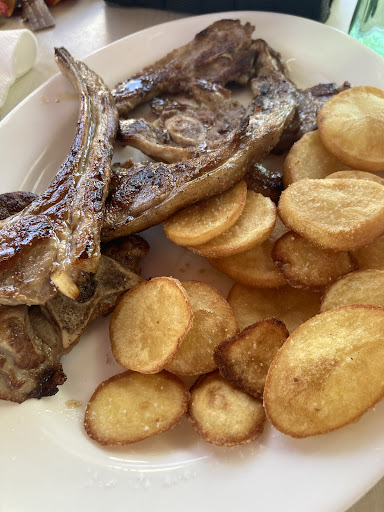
<point x="18" y="50"/>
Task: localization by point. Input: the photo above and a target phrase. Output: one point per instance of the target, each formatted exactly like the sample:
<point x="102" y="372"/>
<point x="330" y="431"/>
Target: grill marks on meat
<point x="221" y="53"/>
<point x="183" y="130"/>
<point x="30" y="351"/>
<point x="146" y="194"/>
<point x="54" y="240"/>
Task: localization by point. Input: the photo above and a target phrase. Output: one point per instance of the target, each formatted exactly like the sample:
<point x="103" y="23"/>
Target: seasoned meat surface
<point x="264" y="181"/>
<point x="222" y="53"/>
<point x="30" y="352"/>
<point x="33" y="339"/>
<point x="48" y="245"/>
<point x="14" y="202"/>
<point x="183" y="130"/>
<point x="309" y="103"/>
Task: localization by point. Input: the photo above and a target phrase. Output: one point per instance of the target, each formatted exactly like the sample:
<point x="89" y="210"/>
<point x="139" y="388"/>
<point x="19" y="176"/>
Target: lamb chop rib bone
<point x="49" y="245"/>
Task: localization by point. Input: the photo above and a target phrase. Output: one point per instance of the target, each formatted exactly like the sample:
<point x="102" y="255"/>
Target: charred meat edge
<point x="50" y="244"/>
<point x="221" y="53"/>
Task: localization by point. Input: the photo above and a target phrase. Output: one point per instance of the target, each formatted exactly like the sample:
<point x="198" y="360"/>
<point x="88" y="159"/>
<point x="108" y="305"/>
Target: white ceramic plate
<point x="47" y="462"/>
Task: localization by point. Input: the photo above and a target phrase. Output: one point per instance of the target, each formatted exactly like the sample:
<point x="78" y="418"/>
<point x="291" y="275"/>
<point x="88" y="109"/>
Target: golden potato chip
<point x="279" y="230"/>
<point x="328" y="372"/>
<point x="149" y="323"/>
<point x="351" y="126"/>
<point x="292" y="306"/>
<point x="254" y="226"/>
<point x="207" y="219"/>
<point x="309" y="158"/>
<point x="361" y="287"/>
<point x="254" y="267"/>
<point x="371" y="256"/>
<point x="356" y="175"/>
<point x="305" y="265"/>
<point x="244" y="359"/>
<point x="340" y="214"/>
<point x="213" y="322"/>
<point x="131" y="406"/>
<point x="222" y="414"/>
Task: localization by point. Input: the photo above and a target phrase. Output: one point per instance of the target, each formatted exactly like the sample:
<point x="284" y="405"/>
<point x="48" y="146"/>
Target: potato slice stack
<point x="300" y="338"/>
<point x="159" y="331"/>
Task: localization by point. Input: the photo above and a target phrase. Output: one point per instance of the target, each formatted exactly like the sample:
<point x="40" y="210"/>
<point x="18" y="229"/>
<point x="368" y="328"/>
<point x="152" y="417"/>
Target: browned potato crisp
<point x="254" y="226"/>
<point x="351" y="126"/>
<point x="361" y="287"/>
<point x="357" y="175"/>
<point x="244" y="359"/>
<point x="290" y="305"/>
<point x="371" y="256"/>
<point x="131" y="406"/>
<point x="340" y="214"/>
<point x="222" y="414"/>
<point x="149" y="323"/>
<point x="213" y="322"/>
<point x="254" y="267"/>
<point x="328" y="372"/>
<point x="305" y="265"/>
<point x="207" y="219"/>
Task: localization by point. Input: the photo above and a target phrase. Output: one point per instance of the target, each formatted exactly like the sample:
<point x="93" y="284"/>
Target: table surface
<point x="94" y="24"/>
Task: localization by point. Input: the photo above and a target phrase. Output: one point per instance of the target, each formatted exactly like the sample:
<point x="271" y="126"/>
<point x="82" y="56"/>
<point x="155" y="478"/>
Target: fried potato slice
<point x="361" y="287"/>
<point x="340" y="214"/>
<point x="356" y="175"/>
<point x="328" y="372"/>
<point x="308" y="158"/>
<point x="253" y="227"/>
<point x="207" y="219"/>
<point x="351" y="126"/>
<point x="132" y="406"/>
<point x="371" y="256"/>
<point x="254" y="267"/>
<point x="279" y="230"/>
<point x="292" y="306"/>
<point x="305" y="265"/>
<point x="222" y="414"/>
<point x="244" y="359"/>
<point x="149" y="323"/>
<point x="213" y="322"/>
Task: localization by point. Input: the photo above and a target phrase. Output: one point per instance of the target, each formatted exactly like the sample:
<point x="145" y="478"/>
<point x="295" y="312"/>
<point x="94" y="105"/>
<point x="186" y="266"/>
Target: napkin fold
<point x="18" y="49"/>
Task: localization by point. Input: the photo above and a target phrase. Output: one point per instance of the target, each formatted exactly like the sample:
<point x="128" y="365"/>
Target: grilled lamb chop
<point x="183" y="130"/>
<point x="221" y="53"/>
<point x="53" y="242"/>
<point x="33" y="339"/>
<point x="146" y="194"/>
<point x="30" y="352"/>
